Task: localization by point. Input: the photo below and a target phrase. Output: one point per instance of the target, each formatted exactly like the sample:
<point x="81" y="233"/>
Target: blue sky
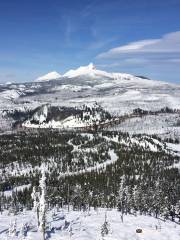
<point x="141" y="37"/>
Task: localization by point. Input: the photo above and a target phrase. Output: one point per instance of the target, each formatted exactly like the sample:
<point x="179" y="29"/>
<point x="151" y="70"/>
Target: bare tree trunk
<point x="38" y="216"/>
<point x="68" y="198"/>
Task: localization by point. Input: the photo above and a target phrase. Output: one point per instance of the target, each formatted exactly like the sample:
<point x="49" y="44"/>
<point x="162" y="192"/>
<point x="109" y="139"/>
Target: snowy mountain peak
<point x="89" y="70"/>
<point x="49" y="76"/>
<point x="91" y="66"/>
<point x="92" y="72"/>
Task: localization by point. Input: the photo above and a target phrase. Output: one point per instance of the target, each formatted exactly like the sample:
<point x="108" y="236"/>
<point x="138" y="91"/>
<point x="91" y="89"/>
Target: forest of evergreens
<point x="143" y="177"/>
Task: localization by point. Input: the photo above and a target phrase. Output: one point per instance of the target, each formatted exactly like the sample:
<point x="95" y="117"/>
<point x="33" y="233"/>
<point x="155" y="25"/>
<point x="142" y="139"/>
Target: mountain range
<point x="71" y="94"/>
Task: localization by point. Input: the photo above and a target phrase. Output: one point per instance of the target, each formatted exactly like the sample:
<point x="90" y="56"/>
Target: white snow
<point x="11" y="94"/>
<point x="91" y="71"/>
<point x="49" y="76"/>
<point x="118" y="93"/>
<point x="87" y="226"/>
<point x="42" y="116"/>
<point x="174" y="147"/>
<point x="68" y="123"/>
<point x="163" y="125"/>
<point x="70" y="87"/>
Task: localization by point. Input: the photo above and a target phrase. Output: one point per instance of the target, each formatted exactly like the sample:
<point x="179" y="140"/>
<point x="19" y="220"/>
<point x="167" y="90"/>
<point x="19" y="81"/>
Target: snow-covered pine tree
<point x="14" y="204"/>
<point x="105" y="228"/>
<point x="35" y="197"/>
<point x="13" y="228"/>
<point x="134" y="200"/>
<point x="121" y="197"/>
<point x="42" y="202"/>
<point x="127" y="199"/>
<point x="23" y="230"/>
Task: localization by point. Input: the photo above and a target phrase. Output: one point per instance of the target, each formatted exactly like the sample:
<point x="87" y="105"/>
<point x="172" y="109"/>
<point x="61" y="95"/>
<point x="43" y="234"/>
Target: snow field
<point x="87" y="226"/>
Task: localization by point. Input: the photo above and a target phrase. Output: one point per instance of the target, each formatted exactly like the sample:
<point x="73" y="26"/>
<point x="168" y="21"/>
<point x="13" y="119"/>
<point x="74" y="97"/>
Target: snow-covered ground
<point x="88" y="225"/>
<point x="148" y="143"/>
<point x="164" y="125"/>
<point x="118" y="93"/>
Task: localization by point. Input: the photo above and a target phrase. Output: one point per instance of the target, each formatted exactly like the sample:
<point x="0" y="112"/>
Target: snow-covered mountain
<point x="48" y="76"/>
<point x="117" y="93"/>
<point x="91" y="71"/>
<point x="115" y="144"/>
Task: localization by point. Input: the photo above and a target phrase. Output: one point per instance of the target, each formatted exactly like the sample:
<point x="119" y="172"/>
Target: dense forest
<point x="134" y="173"/>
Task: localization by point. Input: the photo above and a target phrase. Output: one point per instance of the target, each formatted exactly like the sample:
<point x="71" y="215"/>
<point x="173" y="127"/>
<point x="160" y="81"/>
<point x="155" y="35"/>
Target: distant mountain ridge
<point x="118" y="94"/>
<point x="89" y="70"/>
<point x="48" y="76"/>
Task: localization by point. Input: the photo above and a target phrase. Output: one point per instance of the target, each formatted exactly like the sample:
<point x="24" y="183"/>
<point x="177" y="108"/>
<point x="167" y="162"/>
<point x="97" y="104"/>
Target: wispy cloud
<point x="157" y="58"/>
<point x="169" y="43"/>
<point x="68" y="31"/>
<point x="139" y="62"/>
<point x="99" y="43"/>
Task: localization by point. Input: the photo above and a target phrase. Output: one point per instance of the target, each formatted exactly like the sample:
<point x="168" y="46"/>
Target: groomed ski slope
<point x="87" y="226"/>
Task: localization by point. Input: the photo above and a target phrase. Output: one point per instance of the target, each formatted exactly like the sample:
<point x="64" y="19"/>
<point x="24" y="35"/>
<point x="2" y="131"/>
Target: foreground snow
<point x="87" y="226"/>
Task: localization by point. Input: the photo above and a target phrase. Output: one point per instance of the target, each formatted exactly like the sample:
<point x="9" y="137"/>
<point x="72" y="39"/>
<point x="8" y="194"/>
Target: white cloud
<point x="169" y="43"/>
<point x="135" y="46"/>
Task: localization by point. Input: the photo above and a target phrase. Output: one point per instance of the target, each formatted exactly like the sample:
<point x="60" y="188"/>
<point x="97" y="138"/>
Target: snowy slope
<point x="88" y="225"/>
<point x="48" y="76"/>
<point x="91" y="71"/>
<point x="117" y="93"/>
<point x="164" y="125"/>
<point x="54" y="117"/>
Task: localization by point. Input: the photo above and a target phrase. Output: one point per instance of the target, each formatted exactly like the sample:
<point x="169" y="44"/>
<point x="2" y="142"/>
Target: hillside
<point x="116" y="93"/>
<point x="73" y="160"/>
<point x="85" y="143"/>
<point x="64" y="225"/>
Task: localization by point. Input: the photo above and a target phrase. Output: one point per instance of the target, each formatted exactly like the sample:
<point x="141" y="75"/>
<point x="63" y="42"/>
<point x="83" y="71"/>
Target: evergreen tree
<point x="122" y="198"/>
<point x="42" y="203"/>
<point x="13" y="229"/>
<point x="36" y="203"/>
<point x="105" y="227"/>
